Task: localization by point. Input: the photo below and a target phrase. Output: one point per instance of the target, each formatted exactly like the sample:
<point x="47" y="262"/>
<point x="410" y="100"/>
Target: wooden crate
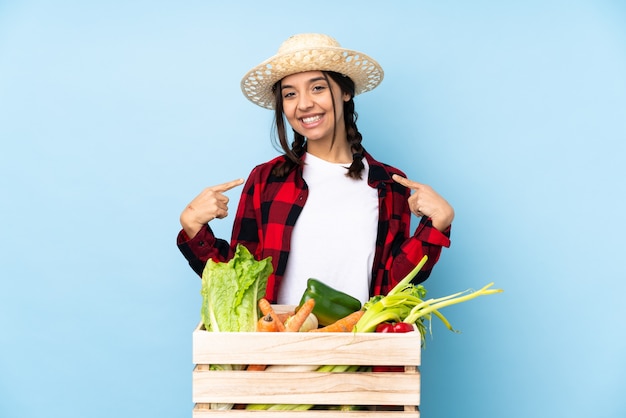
<point x="385" y="394"/>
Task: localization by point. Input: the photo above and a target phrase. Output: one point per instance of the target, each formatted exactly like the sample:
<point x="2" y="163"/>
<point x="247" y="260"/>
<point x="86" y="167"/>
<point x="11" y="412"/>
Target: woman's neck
<point x="339" y="152"/>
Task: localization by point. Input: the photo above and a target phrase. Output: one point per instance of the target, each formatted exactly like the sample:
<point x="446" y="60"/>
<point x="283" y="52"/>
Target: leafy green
<point x="405" y="303"/>
<point x="231" y="291"/>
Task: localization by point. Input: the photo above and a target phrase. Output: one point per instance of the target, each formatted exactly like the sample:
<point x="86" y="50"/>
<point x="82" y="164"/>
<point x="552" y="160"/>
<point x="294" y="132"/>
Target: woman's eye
<point x="288" y="95"/>
<point x="319" y="88"/>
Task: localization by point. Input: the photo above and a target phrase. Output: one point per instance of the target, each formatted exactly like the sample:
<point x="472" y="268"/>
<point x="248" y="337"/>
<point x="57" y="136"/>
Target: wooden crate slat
<point x="320" y="348"/>
<point x="319" y="388"/>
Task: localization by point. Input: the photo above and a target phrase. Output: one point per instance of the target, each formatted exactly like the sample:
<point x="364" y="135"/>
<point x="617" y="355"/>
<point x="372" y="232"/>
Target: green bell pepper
<point x="330" y="304"/>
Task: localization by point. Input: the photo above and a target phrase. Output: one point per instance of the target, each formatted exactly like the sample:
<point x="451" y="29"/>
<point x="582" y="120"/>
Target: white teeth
<point x="311" y="119"/>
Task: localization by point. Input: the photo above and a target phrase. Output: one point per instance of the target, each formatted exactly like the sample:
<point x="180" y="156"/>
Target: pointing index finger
<point x="228" y="185"/>
<point x="405" y="182"/>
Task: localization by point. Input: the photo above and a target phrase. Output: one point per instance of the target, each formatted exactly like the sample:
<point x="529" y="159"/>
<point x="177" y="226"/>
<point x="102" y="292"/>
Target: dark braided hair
<point x="297" y="149"/>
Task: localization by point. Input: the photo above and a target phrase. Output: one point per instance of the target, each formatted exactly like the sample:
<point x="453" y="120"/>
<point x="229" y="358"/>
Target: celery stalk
<point x="404" y="303"/>
<point x="433" y="305"/>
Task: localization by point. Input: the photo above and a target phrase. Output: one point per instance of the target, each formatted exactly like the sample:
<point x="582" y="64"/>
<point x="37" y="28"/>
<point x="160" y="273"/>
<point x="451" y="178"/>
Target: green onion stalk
<point x="405" y="303"/>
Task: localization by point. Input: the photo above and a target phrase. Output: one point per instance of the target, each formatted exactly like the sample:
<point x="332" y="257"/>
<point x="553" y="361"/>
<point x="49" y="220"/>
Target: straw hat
<point x="309" y="52"/>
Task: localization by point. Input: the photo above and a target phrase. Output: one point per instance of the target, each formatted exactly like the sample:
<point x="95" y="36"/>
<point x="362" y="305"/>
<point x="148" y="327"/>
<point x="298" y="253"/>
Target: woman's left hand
<point x="424" y="201"/>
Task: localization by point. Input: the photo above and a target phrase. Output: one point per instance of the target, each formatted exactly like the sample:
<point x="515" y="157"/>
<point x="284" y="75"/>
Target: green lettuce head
<point x="231" y="291"/>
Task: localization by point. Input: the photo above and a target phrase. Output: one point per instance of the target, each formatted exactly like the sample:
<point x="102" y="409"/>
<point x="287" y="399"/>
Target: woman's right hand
<point x="211" y="203"/>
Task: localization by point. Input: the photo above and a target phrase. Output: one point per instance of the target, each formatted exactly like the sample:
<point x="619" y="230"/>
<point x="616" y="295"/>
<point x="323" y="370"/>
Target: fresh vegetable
<point x="405" y="303"/>
<point x="330" y="304"/>
<point x="266" y="324"/>
<point x="395" y="327"/>
<point x="295" y="321"/>
<point x="278" y="407"/>
<point x="345" y="324"/>
<point x="266" y="309"/>
<point x="346" y="408"/>
<point x="230" y="292"/>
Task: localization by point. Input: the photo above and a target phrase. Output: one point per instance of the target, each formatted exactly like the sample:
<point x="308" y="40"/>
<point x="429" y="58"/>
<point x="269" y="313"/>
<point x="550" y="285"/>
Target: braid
<point x="354" y="139"/>
<point x="352" y="132"/>
<point x="298" y="145"/>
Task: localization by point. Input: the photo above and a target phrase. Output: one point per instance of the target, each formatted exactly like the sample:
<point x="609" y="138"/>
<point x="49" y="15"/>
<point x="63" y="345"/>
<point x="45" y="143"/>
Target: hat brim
<point x="257" y="84"/>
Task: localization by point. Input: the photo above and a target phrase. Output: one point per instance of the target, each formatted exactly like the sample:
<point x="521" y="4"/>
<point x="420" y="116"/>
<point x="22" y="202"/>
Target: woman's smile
<point x="311" y="121"/>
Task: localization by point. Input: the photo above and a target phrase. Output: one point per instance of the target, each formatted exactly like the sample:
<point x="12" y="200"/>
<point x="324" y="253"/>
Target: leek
<point x="405" y="303"/>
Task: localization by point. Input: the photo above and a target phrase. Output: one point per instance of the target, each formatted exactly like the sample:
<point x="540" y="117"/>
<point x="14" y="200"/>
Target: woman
<point x="325" y="208"/>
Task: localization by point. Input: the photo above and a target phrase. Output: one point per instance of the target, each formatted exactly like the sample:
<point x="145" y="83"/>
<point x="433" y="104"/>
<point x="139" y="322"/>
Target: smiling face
<point x="308" y="107"/>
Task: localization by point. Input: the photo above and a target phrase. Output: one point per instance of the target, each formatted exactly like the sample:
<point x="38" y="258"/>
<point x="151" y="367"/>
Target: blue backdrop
<point x="113" y="115"/>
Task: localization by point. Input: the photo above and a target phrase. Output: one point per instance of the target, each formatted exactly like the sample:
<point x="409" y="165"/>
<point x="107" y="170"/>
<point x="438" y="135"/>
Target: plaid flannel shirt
<point x="269" y="208"/>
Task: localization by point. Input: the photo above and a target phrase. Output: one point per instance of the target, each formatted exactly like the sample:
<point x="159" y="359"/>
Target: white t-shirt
<point x="334" y="238"/>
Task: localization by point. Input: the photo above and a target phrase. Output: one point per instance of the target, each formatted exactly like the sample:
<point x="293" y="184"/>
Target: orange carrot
<point x="345" y="324"/>
<point x="256" y="367"/>
<point x="296" y="320"/>
<point x="266" y="309"/>
<point x="266" y="324"/>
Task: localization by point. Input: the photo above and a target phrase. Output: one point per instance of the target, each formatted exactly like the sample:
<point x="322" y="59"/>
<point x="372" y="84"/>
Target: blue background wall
<point x="113" y="115"/>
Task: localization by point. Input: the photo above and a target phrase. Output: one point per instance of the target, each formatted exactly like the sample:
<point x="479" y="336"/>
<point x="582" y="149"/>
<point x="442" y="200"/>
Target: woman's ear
<point x="347" y="97"/>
